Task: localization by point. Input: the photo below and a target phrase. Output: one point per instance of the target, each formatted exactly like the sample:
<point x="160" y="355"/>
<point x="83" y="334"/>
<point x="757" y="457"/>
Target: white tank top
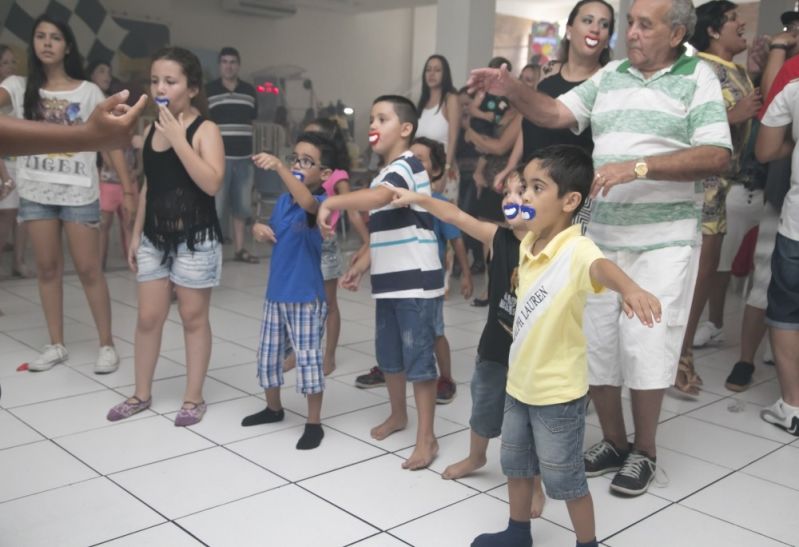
<point x="433" y="125"/>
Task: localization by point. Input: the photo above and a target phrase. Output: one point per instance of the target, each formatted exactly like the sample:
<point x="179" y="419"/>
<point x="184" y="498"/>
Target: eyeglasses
<point x="304" y="161"/>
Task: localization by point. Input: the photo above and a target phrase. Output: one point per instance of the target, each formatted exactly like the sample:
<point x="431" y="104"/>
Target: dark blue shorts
<point x="783" y="291"/>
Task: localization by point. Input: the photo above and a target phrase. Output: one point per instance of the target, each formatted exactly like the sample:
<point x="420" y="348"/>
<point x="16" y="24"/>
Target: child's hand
<point x="403" y="197"/>
<point x="266" y="161"/>
<point x="323" y="221"/>
<point x="466" y="285"/>
<point x="174" y="129"/>
<point x="262" y="232"/>
<point x="350" y="280"/>
<point x="643" y="304"/>
<point x="358" y="254"/>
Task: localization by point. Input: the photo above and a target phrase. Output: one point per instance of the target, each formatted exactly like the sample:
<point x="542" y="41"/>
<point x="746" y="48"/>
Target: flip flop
<point x="244" y="256"/>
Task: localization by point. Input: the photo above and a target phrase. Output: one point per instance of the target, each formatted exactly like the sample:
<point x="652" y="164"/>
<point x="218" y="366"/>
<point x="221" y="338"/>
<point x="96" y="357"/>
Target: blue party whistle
<point x="298" y="175"/>
<point x="511" y="210"/>
<point x="162" y="101"/>
<point x="528" y="213"/>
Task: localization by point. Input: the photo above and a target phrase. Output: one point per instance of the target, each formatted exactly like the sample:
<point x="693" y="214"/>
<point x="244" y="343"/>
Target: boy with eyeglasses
<point x="294" y="307"/>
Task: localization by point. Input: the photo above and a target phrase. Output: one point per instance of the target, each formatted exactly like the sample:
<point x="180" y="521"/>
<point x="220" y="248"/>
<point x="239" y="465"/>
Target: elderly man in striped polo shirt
<point x="659" y="126"/>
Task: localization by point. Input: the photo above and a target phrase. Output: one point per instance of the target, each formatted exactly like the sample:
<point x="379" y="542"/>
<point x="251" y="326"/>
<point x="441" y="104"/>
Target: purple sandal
<point x="128" y="408"/>
<point x="190" y="413"/>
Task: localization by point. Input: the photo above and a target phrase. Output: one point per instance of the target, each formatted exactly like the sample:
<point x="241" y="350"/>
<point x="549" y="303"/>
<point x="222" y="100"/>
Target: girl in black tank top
<point x="176" y="239"/>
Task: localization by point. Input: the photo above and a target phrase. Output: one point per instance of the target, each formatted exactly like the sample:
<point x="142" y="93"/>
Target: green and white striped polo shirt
<point x="631" y="117"/>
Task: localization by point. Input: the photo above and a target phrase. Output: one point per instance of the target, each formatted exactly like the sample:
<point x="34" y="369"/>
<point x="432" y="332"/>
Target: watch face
<point x="641" y="169"/>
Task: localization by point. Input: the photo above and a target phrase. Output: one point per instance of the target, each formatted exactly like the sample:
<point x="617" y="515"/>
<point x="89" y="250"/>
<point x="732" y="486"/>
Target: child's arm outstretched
<point x="359" y="200"/>
<point x="298" y="190"/>
<point x="635" y="300"/>
<point x="449" y="213"/>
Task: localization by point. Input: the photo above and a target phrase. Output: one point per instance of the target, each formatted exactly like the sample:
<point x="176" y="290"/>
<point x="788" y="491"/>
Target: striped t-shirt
<point x="403" y="245"/>
<point x="233" y="111"/>
<point x="631" y="117"/>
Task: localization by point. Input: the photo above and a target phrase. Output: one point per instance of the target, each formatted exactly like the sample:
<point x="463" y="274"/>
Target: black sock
<point x="592" y="543"/>
<point x="311" y="438"/>
<point x="517" y="534"/>
<point x="266" y="416"/>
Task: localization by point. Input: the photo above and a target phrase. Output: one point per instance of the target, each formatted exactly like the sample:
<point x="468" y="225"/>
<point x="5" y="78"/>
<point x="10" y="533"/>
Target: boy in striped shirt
<point x="406" y="273"/>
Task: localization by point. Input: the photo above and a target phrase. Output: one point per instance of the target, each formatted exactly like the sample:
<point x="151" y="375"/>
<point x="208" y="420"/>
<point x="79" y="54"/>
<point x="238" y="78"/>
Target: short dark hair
<point x="571" y="167"/>
<point x="327" y="150"/>
<point x="711" y="15"/>
<point x="228" y="50"/>
<point x="438" y="156"/>
<point x="403" y="108"/>
<point x="497" y="62"/>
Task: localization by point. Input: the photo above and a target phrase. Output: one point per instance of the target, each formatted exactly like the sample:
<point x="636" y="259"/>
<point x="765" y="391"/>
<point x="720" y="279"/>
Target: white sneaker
<point x="708" y="334"/>
<point x="107" y="361"/>
<point x="50" y="356"/>
<point x="782" y="415"/>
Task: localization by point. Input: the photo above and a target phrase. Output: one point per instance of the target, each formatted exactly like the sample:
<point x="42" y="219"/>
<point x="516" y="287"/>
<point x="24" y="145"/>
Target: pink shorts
<point x="111" y="195"/>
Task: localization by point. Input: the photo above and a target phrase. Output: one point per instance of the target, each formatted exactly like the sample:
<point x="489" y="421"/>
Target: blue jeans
<point x="548" y="440"/>
<point x="488" y="397"/>
<point x="236" y="189"/>
<point x="405" y="336"/>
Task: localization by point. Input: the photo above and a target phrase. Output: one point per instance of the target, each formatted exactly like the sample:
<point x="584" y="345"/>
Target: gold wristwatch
<point x="641" y="169"/>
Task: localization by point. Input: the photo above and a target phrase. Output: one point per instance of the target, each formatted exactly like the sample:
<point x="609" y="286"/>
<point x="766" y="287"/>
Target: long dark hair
<point x="193" y="70"/>
<point x="604" y="57"/>
<point x="73" y="66"/>
<point x="446" y="83"/>
<point x="713" y="15"/>
<point x="438" y="156"/>
<point x="331" y="130"/>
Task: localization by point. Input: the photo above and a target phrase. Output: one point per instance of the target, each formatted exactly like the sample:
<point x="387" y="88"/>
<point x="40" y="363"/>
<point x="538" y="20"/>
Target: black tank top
<point x="535" y="137"/>
<point x="496" y="338"/>
<point x="177" y="210"/>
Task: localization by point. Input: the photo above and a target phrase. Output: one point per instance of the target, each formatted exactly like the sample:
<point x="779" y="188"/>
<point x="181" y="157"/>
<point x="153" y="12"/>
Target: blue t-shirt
<point x="444" y="231"/>
<point x="295" y="273"/>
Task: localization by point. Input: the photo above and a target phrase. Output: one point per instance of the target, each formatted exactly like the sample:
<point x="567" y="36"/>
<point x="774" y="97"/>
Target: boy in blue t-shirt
<point x="295" y="308"/>
<point x="406" y="275"/>
<point x="434" y="159"/>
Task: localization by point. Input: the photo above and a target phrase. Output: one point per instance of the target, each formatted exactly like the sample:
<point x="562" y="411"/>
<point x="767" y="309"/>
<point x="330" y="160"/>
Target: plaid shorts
<point x="298" y="327"/>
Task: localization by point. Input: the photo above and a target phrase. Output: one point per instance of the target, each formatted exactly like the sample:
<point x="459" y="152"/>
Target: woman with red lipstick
<point x="584" y="50"/>
<point x="59" y="192"/>
<point x="719" y="38"/>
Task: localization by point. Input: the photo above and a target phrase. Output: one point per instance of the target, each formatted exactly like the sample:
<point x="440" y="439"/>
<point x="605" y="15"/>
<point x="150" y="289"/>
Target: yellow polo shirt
<point x="548" y="363"/>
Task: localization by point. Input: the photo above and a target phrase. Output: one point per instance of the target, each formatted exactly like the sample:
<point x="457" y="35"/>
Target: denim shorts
<point x="88" y="214"/>
<point x="200" y="269"/>
<point x="332" y="263"/>
<point x="547" y="440"/>
<point x="783" y="291"/>
<point x="488" y="397"/>
<point x="405" y="336"/>
<point x="236" y="189"/>
<point x="438" y="325"/>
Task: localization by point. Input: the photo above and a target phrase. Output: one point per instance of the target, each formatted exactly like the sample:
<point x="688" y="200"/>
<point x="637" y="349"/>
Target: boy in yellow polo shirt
<point x="548" y="376"/>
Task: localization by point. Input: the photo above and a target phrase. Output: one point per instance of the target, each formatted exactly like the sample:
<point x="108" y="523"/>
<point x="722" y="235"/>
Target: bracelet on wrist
<point x="784" y="47"/>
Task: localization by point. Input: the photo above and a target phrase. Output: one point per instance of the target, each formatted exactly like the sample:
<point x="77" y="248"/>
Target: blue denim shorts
<point x="405" y="336"/>
<point x="488" y="397"/>
<point x="332" y="262"/>
<point x="439" y="319"/>
<point x="88" y="214"/>
<point x="547" y="440"/>
<point x="200" y="269"/>
<point x="783" y="290"/>
<point x="236" y="188"/>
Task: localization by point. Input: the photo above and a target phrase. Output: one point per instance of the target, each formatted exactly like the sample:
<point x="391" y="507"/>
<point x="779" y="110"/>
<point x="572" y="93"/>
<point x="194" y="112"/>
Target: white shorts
<point x="744" y="211"/>
<point x="766" y="237"/>
<point x="622" y="351"/>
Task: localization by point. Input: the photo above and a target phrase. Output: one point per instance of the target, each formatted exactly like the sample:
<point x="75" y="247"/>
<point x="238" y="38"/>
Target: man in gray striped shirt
<point x="659" y="126"/>
<point x="233" y="106"/>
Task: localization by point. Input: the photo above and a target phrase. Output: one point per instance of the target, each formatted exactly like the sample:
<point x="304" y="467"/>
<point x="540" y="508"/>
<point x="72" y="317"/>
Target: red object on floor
<point x="23" y="367"/>
<point x="744" y="261"/>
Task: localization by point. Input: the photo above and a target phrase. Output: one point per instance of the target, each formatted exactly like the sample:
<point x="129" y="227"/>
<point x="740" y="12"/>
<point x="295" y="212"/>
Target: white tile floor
<point x="69" y="477"/>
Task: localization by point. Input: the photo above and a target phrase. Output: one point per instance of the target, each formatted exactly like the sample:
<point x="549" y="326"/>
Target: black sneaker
<point x="635" y="475"/>
<point x="741" y="376"/>
<point x="603" y="458"/>
<point x="373" y="378"/>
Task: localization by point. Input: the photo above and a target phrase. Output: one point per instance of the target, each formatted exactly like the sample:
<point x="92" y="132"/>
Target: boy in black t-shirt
<point x="491" y="369"/>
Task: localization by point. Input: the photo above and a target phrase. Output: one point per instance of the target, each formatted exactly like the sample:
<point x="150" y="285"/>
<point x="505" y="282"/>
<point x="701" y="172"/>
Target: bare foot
<point x="391" y="425"/>
<point x="423" y="455"/>
<point x="328" y="369"/>
<point x="463" y="467"/>
<point x="539" y="499"/>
